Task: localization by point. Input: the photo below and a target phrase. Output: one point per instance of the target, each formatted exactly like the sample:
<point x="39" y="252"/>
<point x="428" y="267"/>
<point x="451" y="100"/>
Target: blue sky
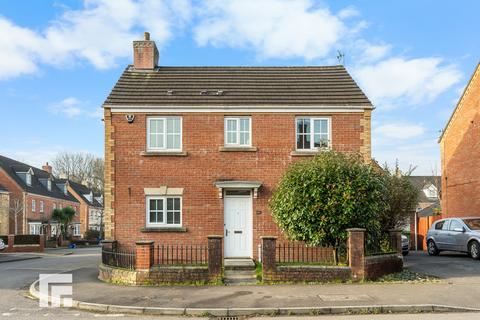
<point x="59" y="59"/>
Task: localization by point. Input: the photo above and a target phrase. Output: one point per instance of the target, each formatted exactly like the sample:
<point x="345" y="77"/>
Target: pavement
<point x="455" y="290"/>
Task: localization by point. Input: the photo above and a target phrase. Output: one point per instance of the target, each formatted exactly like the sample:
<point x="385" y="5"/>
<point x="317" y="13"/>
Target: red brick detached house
<point x="460" y="154"/>
<point x="197" y="151"/>
<point x="34" y="193"/>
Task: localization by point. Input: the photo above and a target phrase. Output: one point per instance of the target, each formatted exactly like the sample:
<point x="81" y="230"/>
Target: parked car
<point x="455" y="234"/>
<point x="2" y="245"/>
<point x="405" y="245"/>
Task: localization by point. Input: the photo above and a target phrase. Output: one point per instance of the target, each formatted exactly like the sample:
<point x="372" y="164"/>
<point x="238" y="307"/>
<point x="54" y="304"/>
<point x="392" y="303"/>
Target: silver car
<point x="455" y="234"/>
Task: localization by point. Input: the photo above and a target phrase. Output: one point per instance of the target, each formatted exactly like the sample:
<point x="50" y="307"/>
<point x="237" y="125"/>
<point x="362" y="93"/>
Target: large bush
<point x="317" y="200"/>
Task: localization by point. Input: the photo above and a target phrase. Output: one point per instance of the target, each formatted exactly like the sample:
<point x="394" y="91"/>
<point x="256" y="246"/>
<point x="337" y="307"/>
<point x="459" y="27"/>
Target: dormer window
<point x="65" y="189"/>
<point x="431" y="192"/>
<point x="28" y="179"/>
<point x="49" y="185"/>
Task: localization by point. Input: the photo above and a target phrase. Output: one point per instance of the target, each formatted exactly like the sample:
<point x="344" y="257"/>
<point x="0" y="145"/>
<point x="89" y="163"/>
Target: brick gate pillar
<point x="396" y="240"/>
<point x="144" y="255"/>
<point x="269" y="263"/>
<point x="41" y="243"/>
<point x="215" y="256"/>
<point x="11" y="241"/>
<point x="356" y="252"/>
<point x="110" y="245"/>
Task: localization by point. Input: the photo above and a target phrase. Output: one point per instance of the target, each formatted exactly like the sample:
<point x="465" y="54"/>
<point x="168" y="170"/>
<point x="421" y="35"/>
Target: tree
<point x="64" y="217"/>
<point x="317" y="200"/>
<point x="84" y="168"/>
<point x="16" y="210"/>
<point x="402" y="198"/>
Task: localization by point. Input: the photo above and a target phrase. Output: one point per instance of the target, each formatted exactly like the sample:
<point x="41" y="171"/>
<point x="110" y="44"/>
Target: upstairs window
<point x="33" y="205"/>
<point x="41" y="206"/>
<point x="49" y="185"/>
<point x="164" y="134"/>
<point x="34" y="228"/>
<point x="313" y="133"/>
<point x="164" y="211"/>
<point x="29" y="179"/>
<point x="238" y="131"/>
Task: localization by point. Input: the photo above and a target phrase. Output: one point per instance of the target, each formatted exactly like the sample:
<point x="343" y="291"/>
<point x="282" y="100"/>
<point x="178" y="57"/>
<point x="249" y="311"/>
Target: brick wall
<point x="460" y="154"/>
<point x="127" y="172"/>
<point x="378" y="266"/>
<point x="16" y="194"/>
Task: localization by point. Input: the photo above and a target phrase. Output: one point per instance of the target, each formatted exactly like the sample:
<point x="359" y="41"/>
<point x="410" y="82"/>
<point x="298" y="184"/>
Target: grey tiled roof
<point x="11" y="167"/>
<point x="247" y="86"/>
<point x="82" y="190"/>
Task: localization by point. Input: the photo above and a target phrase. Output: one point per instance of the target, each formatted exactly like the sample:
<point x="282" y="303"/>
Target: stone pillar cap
<point x="268" y="237"/>
<point x="356" y="229"/>
<point x="213" y="236"/>
<point x="144" y="242"/>
<point x="108" y="241"/>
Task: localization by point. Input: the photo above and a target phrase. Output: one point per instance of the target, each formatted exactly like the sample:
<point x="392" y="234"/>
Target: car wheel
<point x="474" y="250"/>
<point x="432" y="248"/>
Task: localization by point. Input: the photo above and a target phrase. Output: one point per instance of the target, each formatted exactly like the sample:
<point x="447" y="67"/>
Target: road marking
<point x="7" y="314"/>
<point x="109" y="315"/>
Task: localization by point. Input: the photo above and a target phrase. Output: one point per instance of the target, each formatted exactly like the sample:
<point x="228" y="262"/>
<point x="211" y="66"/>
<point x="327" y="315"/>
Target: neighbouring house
<point x="197" y="151"/>
<point x="91" y="206"/>
<point x="33" y="195"/>
<point x="460" y="154"/>
<point x="427" y="210"/>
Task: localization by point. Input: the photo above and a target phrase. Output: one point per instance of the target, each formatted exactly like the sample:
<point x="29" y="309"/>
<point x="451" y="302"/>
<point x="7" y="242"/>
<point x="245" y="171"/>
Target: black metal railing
<point x="378" y="243"/>
<point x="177" y="254"/>
<point x="299" y="253"/>
<point x="120" y="258"/>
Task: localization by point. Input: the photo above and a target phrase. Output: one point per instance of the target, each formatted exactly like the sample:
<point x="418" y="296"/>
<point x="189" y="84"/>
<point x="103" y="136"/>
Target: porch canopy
<point x="237" y="184"/>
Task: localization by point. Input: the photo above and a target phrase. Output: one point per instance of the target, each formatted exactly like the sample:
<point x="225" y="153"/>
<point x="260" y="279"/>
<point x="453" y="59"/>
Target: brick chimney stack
<point x="47" y="167"/>
<point x="145" y="53"/>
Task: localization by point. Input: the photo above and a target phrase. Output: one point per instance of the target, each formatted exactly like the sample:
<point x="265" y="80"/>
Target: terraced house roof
<point x="330" y="86"/>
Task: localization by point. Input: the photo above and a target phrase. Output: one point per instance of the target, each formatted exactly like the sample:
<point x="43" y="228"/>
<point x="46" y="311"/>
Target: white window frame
<point x="76" y="230"/>
<point x="49" y="185"/>
<point x="54" y="230"/>
<point x="237" y="131"/>
<point x="149" y="148"/>
<point x="312" y="134"/>
<point x="163" y="224"/>
<point x="42" y="206"/>
<point x="37" y="226"/>
<point x="34" y="207"/>
<point x="28" y="179"/>
<point x="54" y="206"/>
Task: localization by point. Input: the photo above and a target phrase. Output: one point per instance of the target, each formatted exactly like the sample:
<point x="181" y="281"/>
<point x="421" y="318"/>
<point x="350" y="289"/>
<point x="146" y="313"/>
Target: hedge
<point x="27" y="239"/>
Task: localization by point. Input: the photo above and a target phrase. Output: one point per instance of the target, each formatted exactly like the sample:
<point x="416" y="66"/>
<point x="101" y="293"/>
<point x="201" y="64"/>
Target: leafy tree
<point x="64" y="217"/>
<point x="402" y="198"/>
<point x="317" y="200"/>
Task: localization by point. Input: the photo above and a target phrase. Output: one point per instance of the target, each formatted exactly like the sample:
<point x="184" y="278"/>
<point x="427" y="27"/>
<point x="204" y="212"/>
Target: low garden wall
<point x="307" y="274"/>
<point x="144" y="267"/>
<point x="23" y="243"/>
<point x="380" y="265"/>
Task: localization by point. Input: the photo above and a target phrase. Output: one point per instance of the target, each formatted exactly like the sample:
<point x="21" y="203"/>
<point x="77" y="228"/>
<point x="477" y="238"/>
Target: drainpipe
<point x="416" y="230"/>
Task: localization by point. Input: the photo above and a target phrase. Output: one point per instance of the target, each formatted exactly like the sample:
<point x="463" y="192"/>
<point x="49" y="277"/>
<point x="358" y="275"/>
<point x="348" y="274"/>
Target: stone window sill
<point x="238" y="149"/>
<point x="303" y="153"/>
<point x="164" y="153"/>
<point x="163" y="229"/>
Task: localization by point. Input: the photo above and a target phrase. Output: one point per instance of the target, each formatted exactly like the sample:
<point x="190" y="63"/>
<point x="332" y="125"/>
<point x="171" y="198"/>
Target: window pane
<point x="244" y="138"/>
<point x="324" y="126"/>
<point x="176" y="141"/>
<point x="299" y="126"/>
<point x="231" y="125"/>
<point x="244" y="124"/>
<point x="170" y="141"/>
<point x="170" y="204"/>
<point x="299" y="141"/>
<point x="176" y="219"/>
<point x="153" y="204"/>
<point x="231" y="137"/>
<point x="173" y="125"/>
<point x="177" y="203"/>
<point x="306" y="141"/>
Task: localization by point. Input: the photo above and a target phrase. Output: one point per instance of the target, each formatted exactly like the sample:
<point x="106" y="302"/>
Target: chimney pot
<point x="146" y="36"/>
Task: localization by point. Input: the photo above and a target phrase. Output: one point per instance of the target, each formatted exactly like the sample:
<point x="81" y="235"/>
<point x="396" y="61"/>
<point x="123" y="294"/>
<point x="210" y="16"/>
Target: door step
<point x="239" y="264"/>
<point x="240" y="272"/>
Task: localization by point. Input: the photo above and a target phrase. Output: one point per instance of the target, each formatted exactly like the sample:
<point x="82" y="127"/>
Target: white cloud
<point x="272" y="28"/>
<point x="406" y="82"/>
<point x="99" y="33"/>
<point x="72" y="107"/>
<point x="399" y="131"/>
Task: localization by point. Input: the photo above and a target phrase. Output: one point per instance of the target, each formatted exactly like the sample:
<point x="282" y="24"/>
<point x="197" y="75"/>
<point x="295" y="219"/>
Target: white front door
<point x="238" y="226"/>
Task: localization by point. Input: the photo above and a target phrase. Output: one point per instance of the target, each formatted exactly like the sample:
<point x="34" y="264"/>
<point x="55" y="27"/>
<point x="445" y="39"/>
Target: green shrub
<point x="317" y="200"/>
<point x="92" y="234"/>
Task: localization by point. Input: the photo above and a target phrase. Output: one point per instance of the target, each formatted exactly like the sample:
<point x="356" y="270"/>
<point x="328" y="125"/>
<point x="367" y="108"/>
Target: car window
<point x="445" y="225"/>
<point x="455" y="224"/>
<point x="473" y="224"/>
<point x="439" y="225"/>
